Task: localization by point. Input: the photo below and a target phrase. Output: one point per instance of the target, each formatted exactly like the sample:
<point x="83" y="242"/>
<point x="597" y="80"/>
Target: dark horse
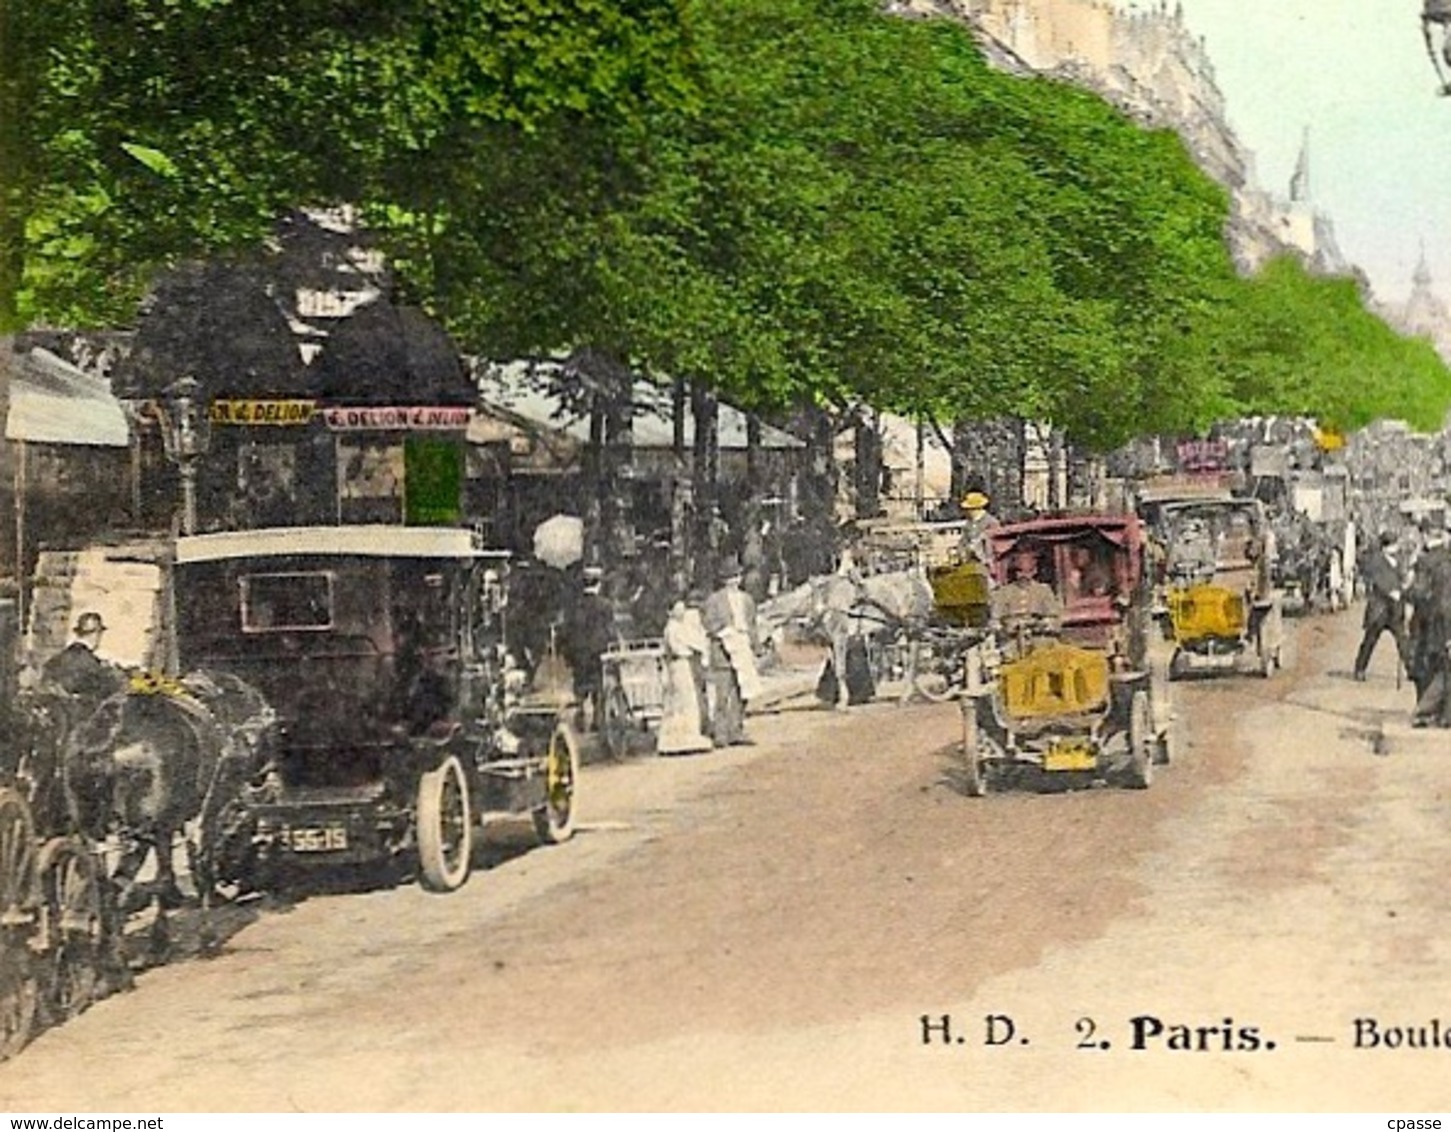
<point x="162" y="758"/>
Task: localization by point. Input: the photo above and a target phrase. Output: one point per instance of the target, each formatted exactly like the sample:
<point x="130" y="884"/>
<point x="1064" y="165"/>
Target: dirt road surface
<point x="768" y="927"/>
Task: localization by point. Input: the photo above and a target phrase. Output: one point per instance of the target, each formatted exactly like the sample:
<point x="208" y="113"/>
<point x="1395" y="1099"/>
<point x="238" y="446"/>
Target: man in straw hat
<point x="730" y="619"/>
<point x="980" y="521"/>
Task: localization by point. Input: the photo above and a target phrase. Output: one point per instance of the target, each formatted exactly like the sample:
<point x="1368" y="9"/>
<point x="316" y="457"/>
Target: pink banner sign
<point x="397" y="417"/>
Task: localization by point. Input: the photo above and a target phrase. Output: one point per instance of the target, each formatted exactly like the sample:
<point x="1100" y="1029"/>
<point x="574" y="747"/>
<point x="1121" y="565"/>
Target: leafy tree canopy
<point x="135" y="132"/>
<point x="796" y="201"/>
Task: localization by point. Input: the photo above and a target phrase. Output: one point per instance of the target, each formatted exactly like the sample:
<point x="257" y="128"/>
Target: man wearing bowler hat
<point x="730" y="620"/>
<point x="77" y="669"/>
<point x="1384" y="610"/>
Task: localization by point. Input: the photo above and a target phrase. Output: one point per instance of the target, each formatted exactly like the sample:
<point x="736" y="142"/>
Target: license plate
<point x="324" y="839"/>
<point x="1070" y="756"/>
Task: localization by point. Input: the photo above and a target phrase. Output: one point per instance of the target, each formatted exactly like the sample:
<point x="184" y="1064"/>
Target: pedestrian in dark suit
<point x="589" y="630"/>
<point x="1383" y="609"/>
<point x="1429" y="596"/>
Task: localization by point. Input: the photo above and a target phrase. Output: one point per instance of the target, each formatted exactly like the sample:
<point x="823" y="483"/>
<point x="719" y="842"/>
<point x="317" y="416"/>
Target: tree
<point x="135" y="132"/>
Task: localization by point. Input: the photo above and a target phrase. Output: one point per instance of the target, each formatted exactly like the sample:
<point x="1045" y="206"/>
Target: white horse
<point x="834" y="608"/>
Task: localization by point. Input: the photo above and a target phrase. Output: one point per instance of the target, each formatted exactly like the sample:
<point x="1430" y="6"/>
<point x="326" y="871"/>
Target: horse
<point x="153" y="759"/>
<point x="837" y="608"/>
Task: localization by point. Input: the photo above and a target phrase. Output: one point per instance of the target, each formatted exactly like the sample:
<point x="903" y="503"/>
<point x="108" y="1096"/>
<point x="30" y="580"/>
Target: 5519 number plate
<point x="324" y="839"/>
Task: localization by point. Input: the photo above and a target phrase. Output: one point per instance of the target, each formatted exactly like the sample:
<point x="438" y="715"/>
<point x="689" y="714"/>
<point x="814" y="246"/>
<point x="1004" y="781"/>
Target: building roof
<point x="357" y="541"/>
<point x="529" y="392"/>
<point x="53" y="402"/>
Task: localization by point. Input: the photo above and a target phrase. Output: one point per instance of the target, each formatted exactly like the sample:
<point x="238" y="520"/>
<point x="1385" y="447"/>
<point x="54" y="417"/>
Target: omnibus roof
<point x="355" y="542"/>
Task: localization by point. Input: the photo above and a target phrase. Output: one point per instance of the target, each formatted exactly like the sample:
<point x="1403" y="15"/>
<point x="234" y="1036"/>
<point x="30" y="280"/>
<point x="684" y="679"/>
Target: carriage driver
<point x="1025" y="602"/>
<point x="980" y="523"/>
<point x="78" y="670"/>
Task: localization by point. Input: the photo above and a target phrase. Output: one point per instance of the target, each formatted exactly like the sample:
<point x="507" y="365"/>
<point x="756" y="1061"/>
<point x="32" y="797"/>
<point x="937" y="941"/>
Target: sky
<point x="1356" y="73"/>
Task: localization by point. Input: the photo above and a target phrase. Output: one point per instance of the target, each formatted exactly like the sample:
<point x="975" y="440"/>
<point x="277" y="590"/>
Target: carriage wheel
<point x="932" y="675"/>
<point x="554" y="821"/>
<point x="19" y="993"/>
<point x="445" y="827"/>
<point x="17" y="861"/>
<point x="1140" y="771"/>
<point x="975" y="777"/>
<point x="1169" y="744"/>
<point x="71" y="883"/>
<point x="616" y="721"/>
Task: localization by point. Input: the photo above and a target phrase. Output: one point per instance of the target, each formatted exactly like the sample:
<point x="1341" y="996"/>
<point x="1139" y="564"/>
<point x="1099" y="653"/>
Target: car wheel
<point x="445" y="827"/>
<point x="616" y="722"/>
<point x="932" y="676"/>
<point x="554" y="821"/>
<point x="1140" y="771"/>
<point x="974" y="772"/>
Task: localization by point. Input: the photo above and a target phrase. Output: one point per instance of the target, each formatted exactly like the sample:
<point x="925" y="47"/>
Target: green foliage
<point x="154" y="130"/>
<point x="1288" y="342"/>
<point x="795" y="201"/>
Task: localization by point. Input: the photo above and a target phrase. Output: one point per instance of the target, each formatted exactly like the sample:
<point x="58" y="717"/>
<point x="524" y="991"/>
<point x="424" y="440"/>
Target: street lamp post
<point x="1436" y="26"/>
<point x="186" y="435"/>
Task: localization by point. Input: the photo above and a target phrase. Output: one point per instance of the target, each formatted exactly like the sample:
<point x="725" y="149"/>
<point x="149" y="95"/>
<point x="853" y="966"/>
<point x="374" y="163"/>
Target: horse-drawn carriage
<point x="96" y="789"/>
<point x="288" y="701"/>
<point x="928" y="598"/>
<point x="1064" y="691"/>
<point x="55" y="925"/>
<point x="1221" y="607"/>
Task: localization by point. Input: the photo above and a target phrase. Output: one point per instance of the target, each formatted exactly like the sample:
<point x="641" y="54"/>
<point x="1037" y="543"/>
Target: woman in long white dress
<point x="682" y="725"/>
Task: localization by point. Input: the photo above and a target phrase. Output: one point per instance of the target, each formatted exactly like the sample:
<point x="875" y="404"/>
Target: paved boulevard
<point x="767" y="928"/>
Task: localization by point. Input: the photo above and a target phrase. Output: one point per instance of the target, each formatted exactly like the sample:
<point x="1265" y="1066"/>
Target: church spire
<point x="1422" y="277"/>
<point x="1300" y="179"/>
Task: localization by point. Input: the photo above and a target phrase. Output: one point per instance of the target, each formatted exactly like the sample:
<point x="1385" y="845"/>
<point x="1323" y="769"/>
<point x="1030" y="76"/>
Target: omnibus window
<point x="275" y="603"/>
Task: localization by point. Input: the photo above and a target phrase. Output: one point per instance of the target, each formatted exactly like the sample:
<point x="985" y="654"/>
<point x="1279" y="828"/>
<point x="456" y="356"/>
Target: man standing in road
<point x="730" y="619"/>
<point x="589" y="629"/>
<point x="1429" y="597"/>
<point x="1383" y="609"/>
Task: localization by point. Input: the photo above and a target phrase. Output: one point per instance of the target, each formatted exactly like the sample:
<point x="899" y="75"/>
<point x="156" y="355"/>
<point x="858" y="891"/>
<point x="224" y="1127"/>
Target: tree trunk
<point x="594" y="480"/>
<point x="919" y="472"/>
<point x="868" y="477"/>
<point x="608" y="530"/>
<point x="991" y="454"/>
<point x="1057" y="473"/>
<point x="617" y="506"/>
<point x="677" y="417"/>
<point x="753" y="549"/>
<point x="705" y="478"/>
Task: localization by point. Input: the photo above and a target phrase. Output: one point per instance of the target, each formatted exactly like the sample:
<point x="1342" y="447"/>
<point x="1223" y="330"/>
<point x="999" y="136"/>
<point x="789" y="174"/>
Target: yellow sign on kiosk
<point x="284" y="412"/>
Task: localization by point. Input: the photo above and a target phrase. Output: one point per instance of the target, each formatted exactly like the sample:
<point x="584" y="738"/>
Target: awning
<point x="53" y="402"/>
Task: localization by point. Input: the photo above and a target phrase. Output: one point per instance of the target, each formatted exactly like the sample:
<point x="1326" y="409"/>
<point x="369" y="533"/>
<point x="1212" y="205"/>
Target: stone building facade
<point x="1150" y="64"/>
